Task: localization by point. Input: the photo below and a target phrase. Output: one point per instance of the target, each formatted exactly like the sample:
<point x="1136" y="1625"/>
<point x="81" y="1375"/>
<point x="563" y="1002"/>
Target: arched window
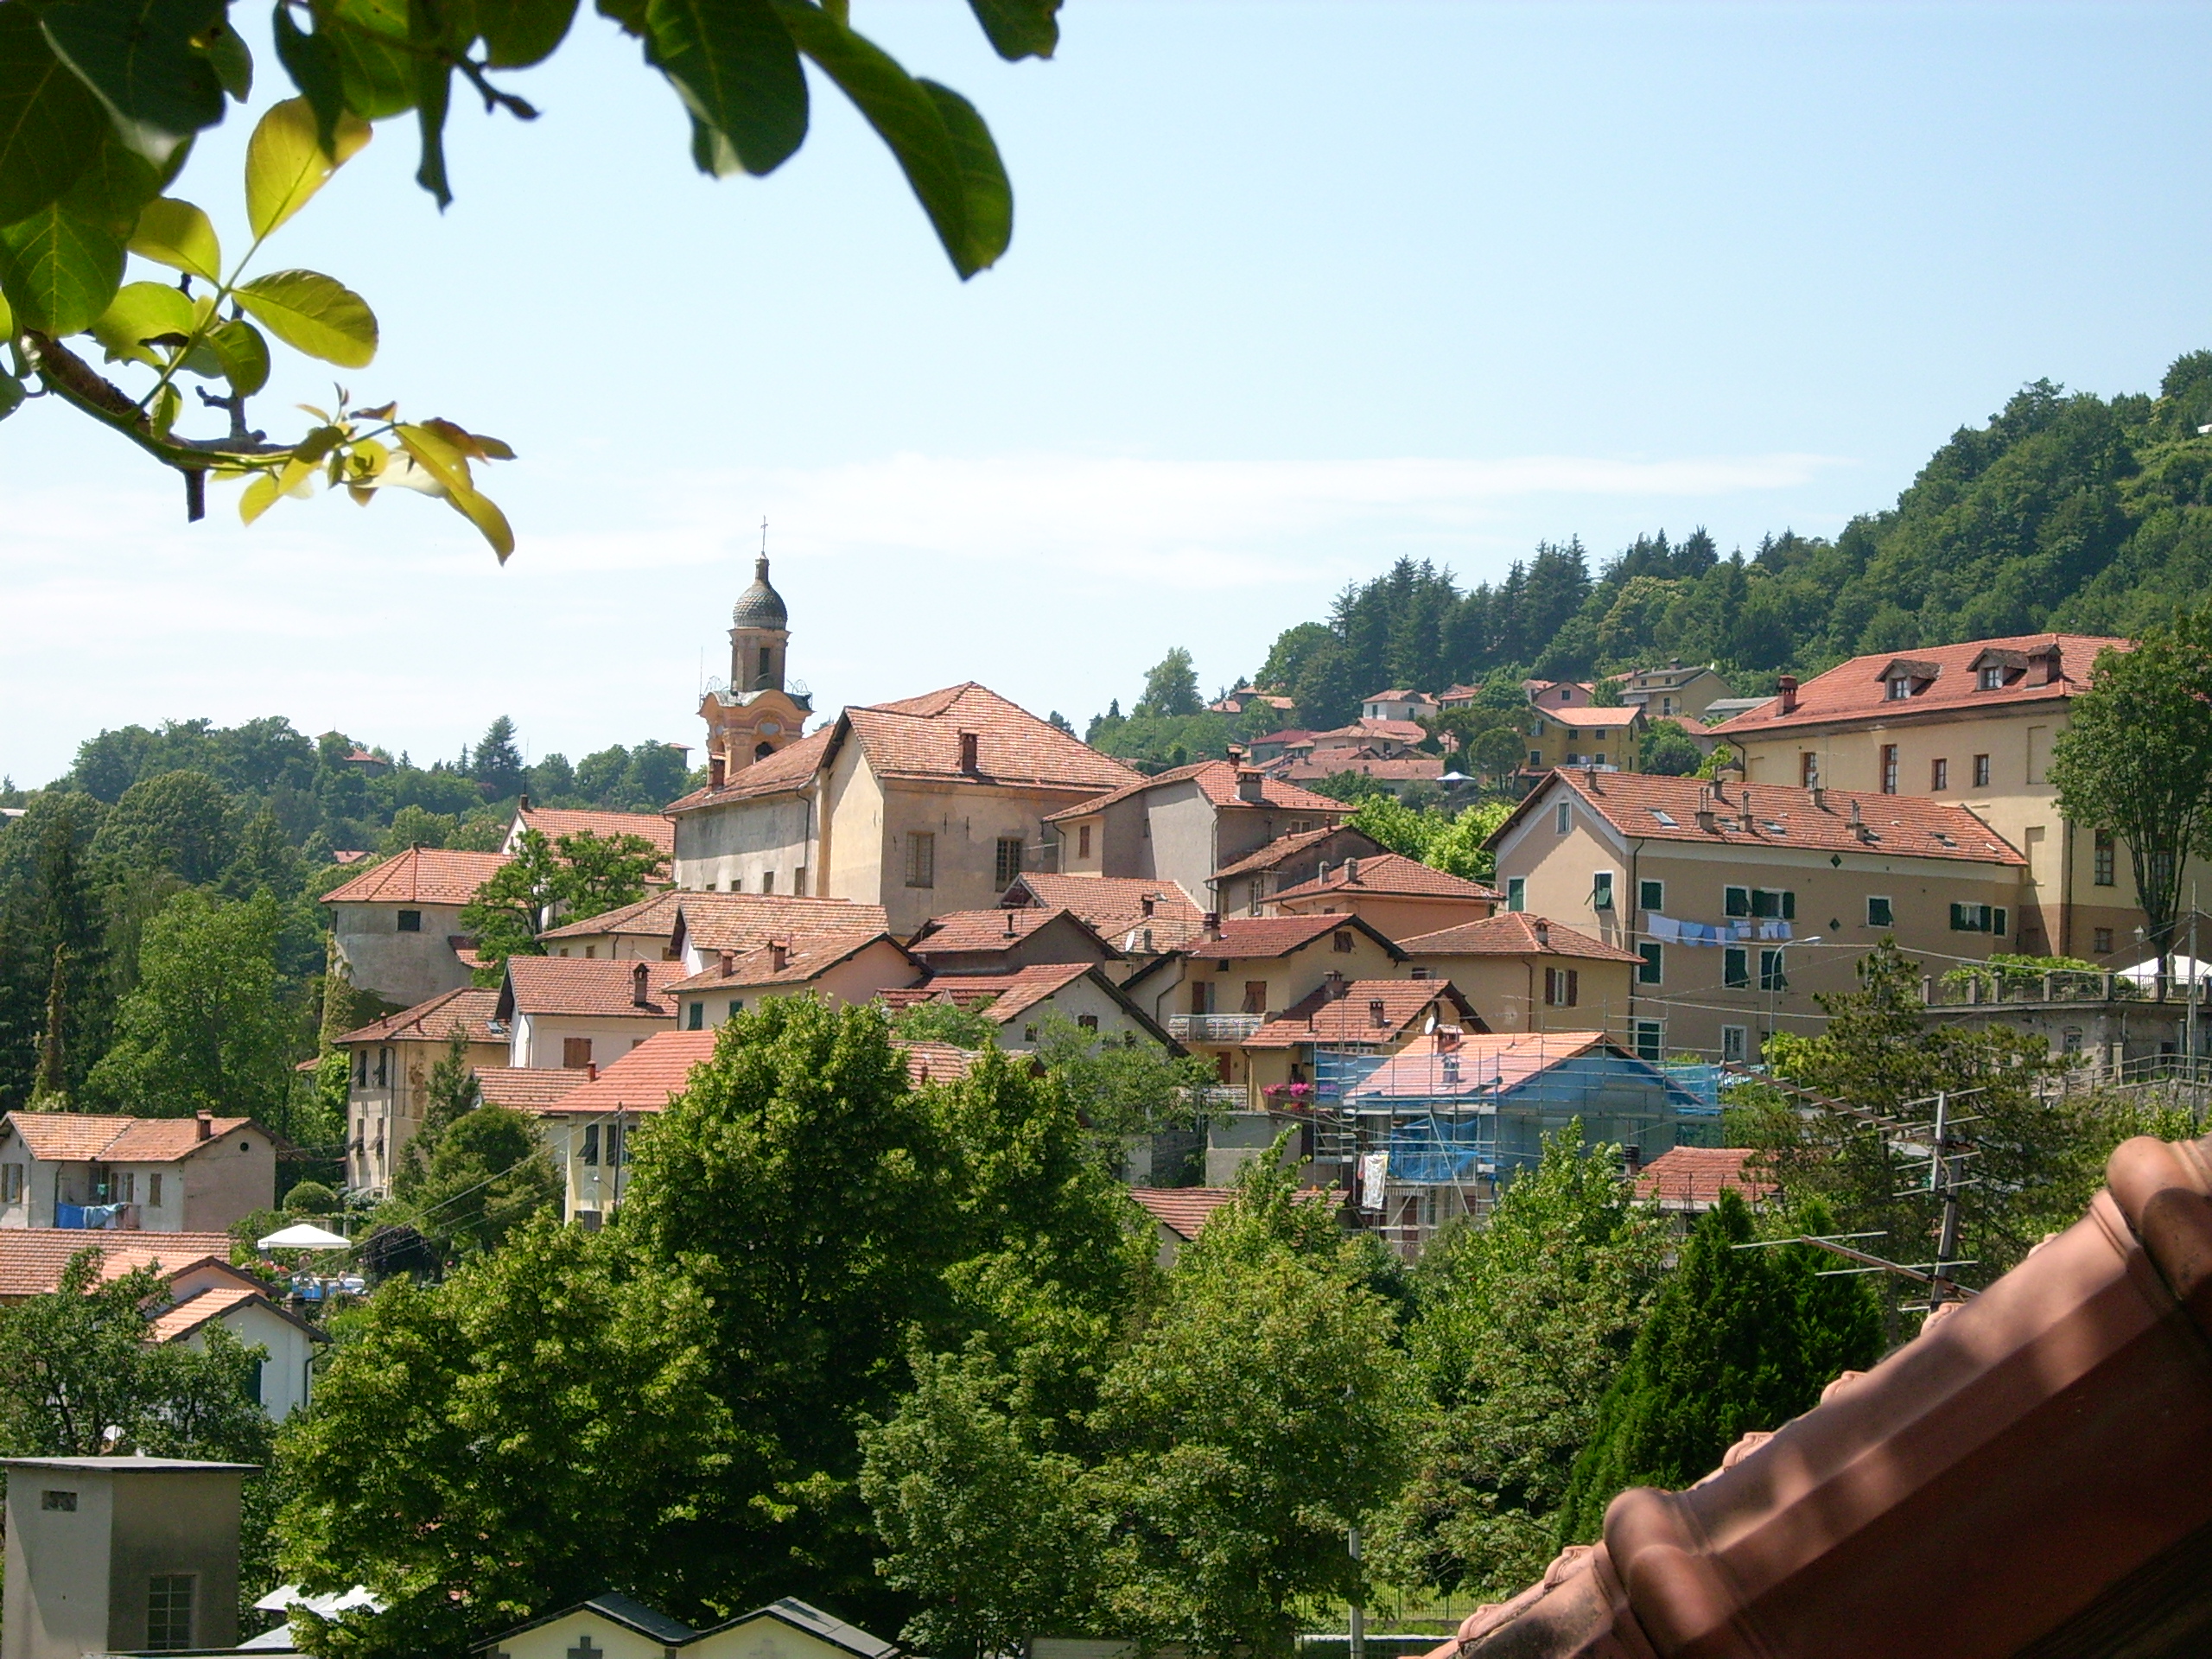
<point x="762" y="751"/>
<point x="767" y="674"/>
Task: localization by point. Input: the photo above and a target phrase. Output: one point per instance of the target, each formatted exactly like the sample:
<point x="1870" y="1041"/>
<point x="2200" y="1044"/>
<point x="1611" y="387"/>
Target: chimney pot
<point x="640" y="976"/>
<point x="1376" y="1014"/>
<point x="1250" y="786"/>
<point x="779" y="955"/>
<point x="1819" y="798"/>
<point x="1147" y="901"/>
<point x="204" y="1123"/>
<point x="591" y="1070"/>
<point x="1009" y="924"/>
<point x="1543" y="931"/>
<point x="969" y="758"/>
<point x="1213" y="924"/>
<point x="717" y="771"/>
<point x="729" y="963"/>
<point x="1787" y="685"/>
<point x="1855" y="819"/>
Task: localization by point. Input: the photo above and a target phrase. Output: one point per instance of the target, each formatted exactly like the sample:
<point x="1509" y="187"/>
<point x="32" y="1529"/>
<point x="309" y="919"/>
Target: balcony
<point x="1213" y="1027"/>
<point x="1221" y="1097"/>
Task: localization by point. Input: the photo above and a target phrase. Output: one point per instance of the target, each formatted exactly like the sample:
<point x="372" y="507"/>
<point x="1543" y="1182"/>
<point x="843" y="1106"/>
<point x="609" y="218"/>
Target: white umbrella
<point x="2182" y="969"/>
<point x="303" y="1235"/>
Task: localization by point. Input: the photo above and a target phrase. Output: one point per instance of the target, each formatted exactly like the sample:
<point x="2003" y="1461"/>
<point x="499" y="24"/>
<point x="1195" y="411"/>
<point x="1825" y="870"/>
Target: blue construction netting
<point x="1441" y="1150"/>
<point x="1334" y="1073"/>
<point x="1701" y="1079"/>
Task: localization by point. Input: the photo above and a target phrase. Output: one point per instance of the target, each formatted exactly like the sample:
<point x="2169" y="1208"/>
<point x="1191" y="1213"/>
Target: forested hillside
<point x="2066" y="510"/>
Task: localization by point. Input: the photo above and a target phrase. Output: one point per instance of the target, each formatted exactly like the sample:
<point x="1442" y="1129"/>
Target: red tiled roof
<point x="1327" y="763"/>
<point x="1489" y="1065"/>
<point x="1857" y="690"/>
<point x="1322" y="1017"/>
<point x="1780" y="816"/>
<point x="1283" y="849"/>
<point x="976" y="932"/>
<point x="1217" y="781"/>
<point x="919" y="737"/>
<point x="1589" y="715"/>
<point x="1693" y="1177"/>
<point x="790" y="768"/>
<point x="32" y="1258"/>
<point x="806" y="956"/>
<point x="745" y="921"/>
<point x="646" y="1078"/>
<point x="469" y="1008"/>
<point x="1393" y="875"/>
<point x="1513" y="933"/>
<point x="1245" y="937"/>
<point x="933" y="1062"/>
<point x="1000" y="996"/>
<point x="1182" y="1209"/>
<point x="86" y="1137"/>
<point x="1397" y="695"/>
<point x="420" y="875"/>
<point x="554" y="821"/>
<point x="1288" y="735"/>
<point x="188" y="1315"/>
<point x="651" y="917"/>
<point x="1113" y="906"/>
<point x="598" y="986"/>
<point x="528" y="1087"/>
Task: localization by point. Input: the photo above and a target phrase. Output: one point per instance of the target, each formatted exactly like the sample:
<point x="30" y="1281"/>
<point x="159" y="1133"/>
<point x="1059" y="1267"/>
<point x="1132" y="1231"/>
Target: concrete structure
<point x="566" y="1012"/>
<point x="1555" y="693"/>
<point x="1020" y="1002"/>
<point x="159" y="1174"/>
<point x="398" y="925"/>
<point x="120" y="1555"/>
<point x="1528" y="973"/>
<point x="754" y="715"/>
<point x="930" y="804"/>
<point x="1400" y="897"/>
<point x="1244" y="887"/>
<point x="284" y="1377"/>
<point x="620" y="1628"/>
<point x="1715" y="887"/>
<point x="1972" y="723"/>
<point x="1184" y="824"/>
<point x="1675" y="692"/>
<point x="388" y="1074"/>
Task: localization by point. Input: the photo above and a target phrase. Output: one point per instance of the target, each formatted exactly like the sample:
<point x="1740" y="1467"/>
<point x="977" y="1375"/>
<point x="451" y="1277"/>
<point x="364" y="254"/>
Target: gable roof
<point x="933" y="1062"/>
<point x="652" y="917"/>
<point x="1250" y="938"/>
<point x="32" y="1258"/>
<point x="1780" y="815"/>
<point x="1351" y="1019"/>
<point x="1113" y="906"/>
<point x="616" y="1609"/>
<point x="1592" y="716"/>
<point x="1182" y="1209"/>
<point x="978" y="932"/>
<point x="88" y="1137"/>
<point x="1283" y="849"/>
<point x="1856" y="690"/>
<point x="788" y="770"/>
<point x="1217" y="781"/>
<point x="176" y="1323"/>
<point x="805" y="956"/>
<point x="1389" y="874"/>
<point x="527" y="1088"/>
<point x="645" y="1079"/>
<point x="1003" y="998"/>
<point x="469" y="1009"/>
<point x="1321" y="764"/>
<point x="554" y="821"/>
<point x="590" y="986"/>
<point x="746" y="921"/>
<point x="420" y="875"/>
<point x="1693" y="1177"/>
<point x="1513" y="933"/>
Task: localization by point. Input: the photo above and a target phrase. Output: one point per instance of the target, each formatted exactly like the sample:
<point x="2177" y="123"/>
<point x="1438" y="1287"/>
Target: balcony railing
<point x="1221" y="1096"/>
<point x="1213" y="1027"/>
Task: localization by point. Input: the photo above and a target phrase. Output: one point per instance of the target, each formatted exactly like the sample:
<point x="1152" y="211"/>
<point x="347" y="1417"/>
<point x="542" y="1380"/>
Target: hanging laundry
<point x="1665" y="928"/>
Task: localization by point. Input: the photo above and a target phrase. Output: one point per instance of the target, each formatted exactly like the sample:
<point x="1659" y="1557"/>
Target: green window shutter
<point x="1997" y="920"/>
<point x="1789" y="904"/>
<point x="1737" y="901"/>
<point x="1959" y="922"/>
<point x="1736" y="967"/>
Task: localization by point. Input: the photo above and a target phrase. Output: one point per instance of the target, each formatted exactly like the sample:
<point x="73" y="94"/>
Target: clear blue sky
<point x="1294" y="288"/>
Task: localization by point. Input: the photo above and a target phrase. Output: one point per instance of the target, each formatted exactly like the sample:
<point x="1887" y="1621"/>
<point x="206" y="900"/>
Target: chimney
<point x="1334" y="983"/>
<point x="1543" y="932"/>
<point x="1447" y="1038"/>
<point x="522" y="803"/>
<point x="1250" y="786"/>
<point x="1787" y="684"/>
<point x="1213" y="924"/>
<point x="1352" y="872"/>
<point x="204" y="1123"/>
<point x="1819" y="798"/>
<point x="1377" y="1016"/>
<point x="2053" y="666"/>
<point x="717" y="770"/>
<point x="779" y="955"/>
<point x="1856" y="823"/>
<point x="968" y="757"/>
<point x="729" y="963"/>
<point x="591" y="1070"/>
<point x="638" y="993"/>
<point x="1706" y="819"/>
<point x="1009" y="924"/>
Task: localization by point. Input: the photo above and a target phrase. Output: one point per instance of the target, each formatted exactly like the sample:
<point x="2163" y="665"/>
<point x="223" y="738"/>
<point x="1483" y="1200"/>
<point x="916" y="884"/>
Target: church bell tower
<point x="756" y="713"/>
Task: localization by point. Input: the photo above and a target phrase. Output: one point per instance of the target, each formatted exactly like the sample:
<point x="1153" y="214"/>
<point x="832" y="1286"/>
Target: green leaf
<point x="736" y="70"/>
<point x="139" y="56"/>
<point x="233" y="64"/>
<point x="314" y="313"/>
<point x="941" y="142"/>
<point x="369" y="39"/>
<point x="244" y="354"/>
<point x="58" y="270"/>
<point x="517" y="33"/>
<point x="447" y="462"/>
<point x="260" y="496"/>
<point x="311" y="62"/>
<point x="11" y="395"/>
<point x="141" y="312"/>
<point x="630" y="14"/>
<point x="1020" y="28"/>
<point x="286" y="163"/>
<point x="177" y="234"/>
<point x="50" y="123"/>
<point x="114" y="189"/>
<point x="433" y="88"/>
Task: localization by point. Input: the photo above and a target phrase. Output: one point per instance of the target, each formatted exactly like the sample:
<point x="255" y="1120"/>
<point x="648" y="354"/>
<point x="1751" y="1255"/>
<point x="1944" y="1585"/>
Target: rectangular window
<point x="1889" y="768"/>
<point x="575" y="1052"/>
<point x="617" y="1145"/>
<point x="64" y="1501"/>
<point x="154" y="1190"/>
<point x="169" y="1611"/>
<point x="1652" y="971"/>
<point x="1981" y="771"/>
<point x="1562" y="817"/>
<point x="1973" y="918"/>
<point x="736" y="1007"/>
<point x="1809" y="770"/>
<point x="1735" y="901"/>
<point x="798" y="881"/>
<point x="1255" y="996"/>
<point x="1735" y="968"/>
<point x="1535" y="759"/>
<point x="591" y="1143"/>
<point x="128" y="1193"/>
<point x="1082" y="840"/>
<point x="1201" y="996"/>
<point x="1774" y="903"/>
<point x="2104" y="859"/>
<point x="383" y="1068"/>
<point x="921" y="859"/>
<point x="1562" y="987"/>
<point x="767" y="881"/>
<point x="361" y="1068"/>
<point x="1601" y="890"/>
<point x="11" y="1183"/>
<point x="410" y="921"/>
<point x="1991" y="678"/>
<point x="1651" y="895"/>
<point x="1009" y="859"/>
<point x="2103" y="941"/>
<point x="1086" y="1022"/>
<point x="1650" y="1040"/>
<point x="1771" y="978"/>
<point x="1343" y="943"/>
<point x="1939" y="775"/>
<point x="1735" y="1045"/>
<point x="1516" y="893"/>
<point x="696" y="1018"/>
<point x="1900" y="689"/>
<point x="1879" y="914"/>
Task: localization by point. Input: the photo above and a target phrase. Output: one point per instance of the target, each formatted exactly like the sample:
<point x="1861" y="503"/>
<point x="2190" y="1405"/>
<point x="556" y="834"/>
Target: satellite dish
<point x="1429" y="1030"/>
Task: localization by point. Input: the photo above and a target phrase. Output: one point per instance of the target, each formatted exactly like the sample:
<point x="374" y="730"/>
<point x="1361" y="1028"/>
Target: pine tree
<point x="51" y="1088"/>
<point x="496" y="764"/>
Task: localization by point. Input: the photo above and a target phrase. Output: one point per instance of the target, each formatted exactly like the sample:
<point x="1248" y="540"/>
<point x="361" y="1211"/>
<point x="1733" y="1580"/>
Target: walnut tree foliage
<point x="100" y="102"/>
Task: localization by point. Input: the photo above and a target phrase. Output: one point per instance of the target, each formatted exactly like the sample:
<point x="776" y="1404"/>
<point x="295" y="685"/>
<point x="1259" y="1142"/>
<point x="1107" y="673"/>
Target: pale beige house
<point x="1678" y="691"/>
<point x="1245" y="885"/>
<point x="643" y="931"/>
<point x="617" y="1627"/>
<point x="842" y="967"/>
<point x="1581" y="734"/>
<point x="999" y="940"/>
<point x="1972" y="723"/>
<point x="929" y="804"/>
<point x="576" y="1013"/>
<point x="1020" y="1001"/>
<point x="587" y="1127"/>
<point x="1140" y="919"/>
<point x="151" y="1174"/>
<point x="396" y="925"/>
<point x="1400" y="896"/>
<point x="1745" y="901"/>
<point x="389" y="1064"/>
<point x="1528" y="973"/>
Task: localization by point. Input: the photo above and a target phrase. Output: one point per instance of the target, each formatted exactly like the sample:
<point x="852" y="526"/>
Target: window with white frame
<point x="1516" y="893"/>
<point x="1650" y="1036"/>
<point x="1879" y="912"/>
<point x="1652" y="971"/>
<point x="1563" y="816"/>
<point x="1735" y="1045"/>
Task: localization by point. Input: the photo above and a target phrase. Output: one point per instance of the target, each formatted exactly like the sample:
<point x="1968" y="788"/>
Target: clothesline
<point x="1669" y="929"/>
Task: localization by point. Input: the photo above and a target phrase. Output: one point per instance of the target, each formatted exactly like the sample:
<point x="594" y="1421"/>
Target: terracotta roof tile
<point x="32" y="1258"/>
<point x="1389" y="874"/>
<point x="469" y="1009"/>
<point x="1114" y="906"/>
<point x="1780" y="815"/>
<point x="528" y="1087"/>
<point x="933" y="1062"/>
<point x="745" y="921"/>
<point x="598" y="986"/>
<point x="1488" y="1066"/>
<point x="804" y="957"/>
<point x="1693" y="1177"/>
<point x="420" y="875"/>
<point x="790" y="768"/>
<point x="1857" y="690"/>
<point x="1589" y="715"/>
<point x="85" y="1137"/>
<point x="1513" y="933"/>
<point x="1182" y="1209"/>
<point x="1283" y="849"/>
<point x="188" y="1315"/>
<point x="1000" y="996"/>
<point x="980" y="931"/>
<point x="1245" y="937"/>
<point x="1217" y="781"/>
<point x="646" y="1078"/>
<point x="554" y="821"/>
<point x="652" y="917"/>
<point x="1351" y="1019"/>
<point x="1322" y="764"/>
<point x="919" y="737"/>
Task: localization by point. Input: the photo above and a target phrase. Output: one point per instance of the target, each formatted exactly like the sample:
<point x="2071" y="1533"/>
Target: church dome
<point x="760" y="606"/>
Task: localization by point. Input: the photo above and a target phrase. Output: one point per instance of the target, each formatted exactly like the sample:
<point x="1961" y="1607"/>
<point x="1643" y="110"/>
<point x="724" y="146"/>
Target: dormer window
<point x="1991" y="678"/>
<point x="1900" y="689"/>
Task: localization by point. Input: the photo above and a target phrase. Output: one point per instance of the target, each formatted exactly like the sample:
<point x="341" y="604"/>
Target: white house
<point x="578" y="1012"/>
<point x="620" y="1628"/>
<point x="76" y="1170"/>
